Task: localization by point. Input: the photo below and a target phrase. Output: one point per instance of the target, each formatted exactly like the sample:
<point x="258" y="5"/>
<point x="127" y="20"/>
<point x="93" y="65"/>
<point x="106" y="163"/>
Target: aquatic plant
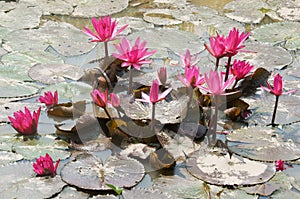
<point x="49" y="99"/>
<point x="44" y="166"/>
<point x="239" y="70"/>
<point x="186" y="59"/>
<point x="280" y="165"/>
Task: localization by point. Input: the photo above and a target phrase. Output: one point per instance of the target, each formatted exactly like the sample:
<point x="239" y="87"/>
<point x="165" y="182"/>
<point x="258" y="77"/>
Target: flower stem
<point x="191" y="92"/>
<point x="274" y="112"/>
<point x="235" y="83"/>
<point x="130" y="81"/>
<point x="227" y="69"/>
<point x="215" y="119"/>
<point x="106" y="54"/>
<point x="107" y="113"/>
<point x="153" y="118"/>
<point x="217" y="64"/>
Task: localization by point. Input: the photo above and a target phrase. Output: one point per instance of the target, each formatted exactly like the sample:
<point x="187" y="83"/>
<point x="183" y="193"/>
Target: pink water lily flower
<point x="234" y="42"/>
<point x="135" y="55"/>
<point x="162" y="75"/>
<point x="49" y="99"/>
<point x="280" y="165"/>
<point x="44" y="166"/>
<point x="277" y="89"/>
<point x="100" y="98"/>
<point x="240" y="69"/>
<point x="186" y="60"/>
<point x="215" y="83"/>
<point x="154" y="95"/>
<point x="217" y="46"/>
<point x="192" y="77"/>
<point x="106" y="29"/>
<point x="114" y="100"/>
<point x="25" y="123"/>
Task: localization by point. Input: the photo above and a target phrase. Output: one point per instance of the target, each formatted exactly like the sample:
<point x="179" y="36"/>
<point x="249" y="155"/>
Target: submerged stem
<point x="130" y="81"/>
<point x="153" y="118"/>
<point x="274" y="112"/>
<point x="227" y="69"/>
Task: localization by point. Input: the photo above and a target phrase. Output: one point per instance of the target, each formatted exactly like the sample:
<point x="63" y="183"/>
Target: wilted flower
<point x="25" y="122"/>
<point x="135" y="55"/>
<point x="162" y="75"/>
<point x="234" y="42"/>
<point x="49" y="98"/>
<point x="100" y="98"/>
<point x="106" y="29"/>
<point x="154" y="94"/>
<point x="215" y="83"/>
<point x="278" y="85"/>
<point x="279" y="165"/>
<point x="192" y="77"/>
<point x="44" y="166"/>
<point x="186" y="60"/>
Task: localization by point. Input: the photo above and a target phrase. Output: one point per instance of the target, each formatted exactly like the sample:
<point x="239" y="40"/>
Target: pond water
<point x="43" y="48"/>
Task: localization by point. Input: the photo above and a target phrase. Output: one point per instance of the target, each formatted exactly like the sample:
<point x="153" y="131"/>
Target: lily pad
<point x="192" y="12"/>
<point x="14" y="72"/>
<point x="263" y="143"/>
<point x="16" y="90"/>
<point x="161" y="17"/>
<point x="144" y="193"/>
<point x="92" y="8"/>
<point x="22" y="16"/>
<point x="246" y="11"/>
<point x="91" y="172"/>
<point x="19" y="181"/>
<point x="51" y="7"/>
<point x="71" y="192"/>
<point x="134" y="23"/>
<point x="265" y="55"/>
<point x="292" y="14"/>
<point x="275" y="34"/>
<point x="225" y="170"/>
<point x="9" y="157"/>
<point x="162" y="39"/>
<point x="54" y="73"/>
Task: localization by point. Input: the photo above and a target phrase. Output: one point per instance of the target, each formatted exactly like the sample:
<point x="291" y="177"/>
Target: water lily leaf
<point x="294" y="174"/>
<point x="33" y="148"/>
<point x="288" y="194"/>
<point x="50" y="7"/>
<point x="144" y="193"/>
<point x="19" y="73"/>
<point x="9" y="157"/>
<point x="225" y="170"/>
<point x="22" y="16"/>
<point x="134" y="23"/>
<point x="289" y="13"/>
<point x="275" y="33"/>
<point x="161" y="17"/>
<point x="16" y="90"/>
<point x="104" y="197"/>
<point x="75" y="91"/>
<point x="192" y="12"/>
<point x="266" y="56"/>
<point x="161" y="39"/>
<point x="138" y="150"/>
<point x="165" y="112"/>
<point x="263" y="143"/>
<point x="54" y="73"/>
<point x="246" y="11"/>
<point x="19" y="181"/>
<point x="108" y="7"/>
<point x="71" y="192"/>
<point x="91" y="172"/>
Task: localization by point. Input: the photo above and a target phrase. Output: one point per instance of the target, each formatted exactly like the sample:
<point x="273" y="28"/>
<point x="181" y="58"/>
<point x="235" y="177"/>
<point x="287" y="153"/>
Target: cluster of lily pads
<point x="202" y="92"/>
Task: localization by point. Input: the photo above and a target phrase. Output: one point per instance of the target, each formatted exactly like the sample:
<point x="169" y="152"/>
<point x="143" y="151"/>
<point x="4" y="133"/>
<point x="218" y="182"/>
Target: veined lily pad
<point x="144" y="193"/>
<point x="246" y="11"/>
<point x="54" y="73"/>
<point x="161" y="39"/>
<point x="9" y="157"/>
<point x="19" y="181"/>
<point x="89" y="171"/>
<point x="16" y="90"/>
<point x="221" y="169"/>
<point x="265" y="55"/>
<point x="263" y="143"/>
<point x="92" y="8"/>
<point x="276" y="33"/>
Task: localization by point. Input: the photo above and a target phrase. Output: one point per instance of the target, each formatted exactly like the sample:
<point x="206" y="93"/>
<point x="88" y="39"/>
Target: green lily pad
<point x="220" y="169"/>
<point x="39" y="146"/>
<point x="16" y="90"/>
<point x="19" y="181"/>
<point x="276" y="33"/>
<point x="89" y="171"/>
<point x="14" y="72"/>
<point x="162" y="39"/>
<point x="9" y="157"/>
<point x="246" y="11"/>
<point x="107" y="7"/>
<point x="263" y="143"/>
<point x="265" y="55"/>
